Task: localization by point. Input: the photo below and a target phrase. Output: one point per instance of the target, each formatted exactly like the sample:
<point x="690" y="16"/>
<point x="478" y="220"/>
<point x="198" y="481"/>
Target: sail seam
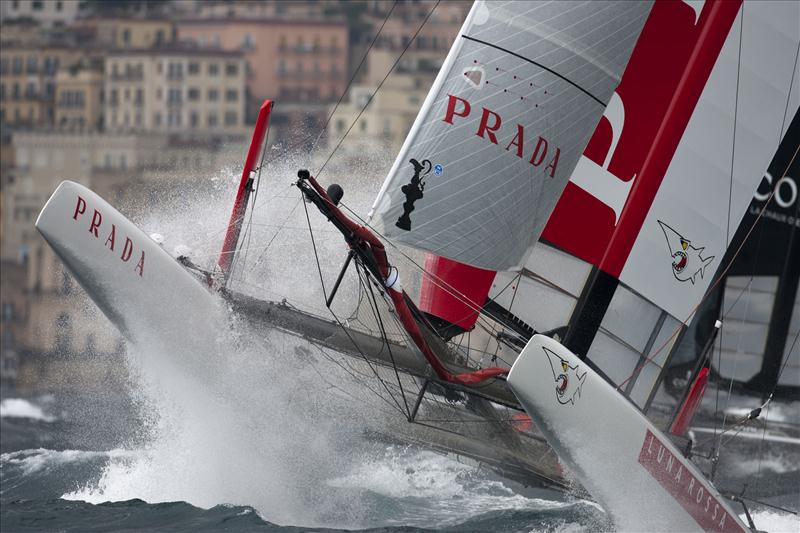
<point x="531" y="61"/>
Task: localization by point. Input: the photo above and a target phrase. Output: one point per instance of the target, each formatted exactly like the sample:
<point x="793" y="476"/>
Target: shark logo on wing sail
<point x="687" y="260"/>
<point x="568" y="381"/>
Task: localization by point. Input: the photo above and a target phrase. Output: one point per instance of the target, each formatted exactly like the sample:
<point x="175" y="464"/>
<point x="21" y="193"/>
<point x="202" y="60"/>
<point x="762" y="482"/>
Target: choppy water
<point x="49" y="482"/>
<point x="65" y="466"/>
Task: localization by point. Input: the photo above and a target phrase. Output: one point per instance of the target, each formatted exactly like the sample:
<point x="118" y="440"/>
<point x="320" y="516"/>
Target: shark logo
<point x="568" y="381"/>
<point x="687" y="260"/>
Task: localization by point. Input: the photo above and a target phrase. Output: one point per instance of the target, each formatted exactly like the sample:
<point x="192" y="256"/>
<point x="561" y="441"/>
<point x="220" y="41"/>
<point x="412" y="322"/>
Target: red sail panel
<point x="453" y="291"/>
<point x="242" y="194"/>
<point x="667" y="71"/>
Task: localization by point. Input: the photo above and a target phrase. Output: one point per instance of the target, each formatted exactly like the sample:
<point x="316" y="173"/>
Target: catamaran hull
<point x="621" y="458"/>
<point x="148" y="295"/>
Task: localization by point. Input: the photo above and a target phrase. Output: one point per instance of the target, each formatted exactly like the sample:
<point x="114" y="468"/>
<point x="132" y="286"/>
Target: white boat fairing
<point x="621" y="458"/>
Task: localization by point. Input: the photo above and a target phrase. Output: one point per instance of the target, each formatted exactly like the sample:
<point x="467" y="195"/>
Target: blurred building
<point x="301" y="64"/>
<point x="386" y="119"/>
<point x="122" y="33"/>
<point x="46" y="12"/>
<point x="28" y="82"/>
<point x="175" y="89"/>
<point x="80" y="96"/>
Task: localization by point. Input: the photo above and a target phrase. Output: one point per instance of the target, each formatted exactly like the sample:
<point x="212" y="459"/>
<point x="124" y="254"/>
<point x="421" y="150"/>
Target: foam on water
<point x="774" y="521"/>
<point x="20" y="408"/>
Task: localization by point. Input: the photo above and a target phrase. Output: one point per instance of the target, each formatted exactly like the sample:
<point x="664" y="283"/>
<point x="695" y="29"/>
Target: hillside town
<point x="128" y="97"/>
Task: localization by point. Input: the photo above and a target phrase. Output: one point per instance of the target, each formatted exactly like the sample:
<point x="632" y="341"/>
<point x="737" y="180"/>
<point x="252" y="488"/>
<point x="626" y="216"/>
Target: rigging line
<point x="352" y="78"/>
<point x="768" y="403"/>
<point x="358" y="380"/>
<point x="408" y="45"/>
<point x="761" y="212"/>
<point x="281" y="228"/>
<point x="376" y="311"/>
<point x="322" y="282"/>
<point x="316" y="256"/>
<point x="374" y="371"/>
<point x="789" y="94"/>
<point x="728" y="226"/>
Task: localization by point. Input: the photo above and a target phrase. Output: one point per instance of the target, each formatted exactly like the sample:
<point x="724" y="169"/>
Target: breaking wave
<point x="20" y="408"/>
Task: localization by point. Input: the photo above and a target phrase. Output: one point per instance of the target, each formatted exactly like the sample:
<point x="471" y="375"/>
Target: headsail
<point x="664" y="151"/>
<point x="504" y="126"/>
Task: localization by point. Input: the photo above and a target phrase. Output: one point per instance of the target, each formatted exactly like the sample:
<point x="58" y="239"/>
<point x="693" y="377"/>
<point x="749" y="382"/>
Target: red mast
<point x="243" y="194"/>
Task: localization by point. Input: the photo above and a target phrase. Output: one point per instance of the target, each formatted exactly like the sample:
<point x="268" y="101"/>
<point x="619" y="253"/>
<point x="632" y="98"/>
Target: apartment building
<point x="288" y="60"/>
<point x="46" y="12"/>
<point x="127" y="32"/>
<point x="28" y="81"/>
<point x="387" y="119"/>
<point x="79" y="96"/>
<point x="175" y="90"/>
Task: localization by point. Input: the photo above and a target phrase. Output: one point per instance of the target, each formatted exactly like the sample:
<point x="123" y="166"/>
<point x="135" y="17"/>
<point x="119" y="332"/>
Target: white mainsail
<point x="504" y="126"/>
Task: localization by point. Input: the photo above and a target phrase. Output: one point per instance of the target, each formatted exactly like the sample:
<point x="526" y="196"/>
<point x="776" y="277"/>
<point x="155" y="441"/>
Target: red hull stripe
<point x="688" y="491"/>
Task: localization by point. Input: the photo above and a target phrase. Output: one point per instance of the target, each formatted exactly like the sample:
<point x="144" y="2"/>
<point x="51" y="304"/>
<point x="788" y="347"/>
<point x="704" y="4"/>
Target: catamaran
<point x="573" y="179"/>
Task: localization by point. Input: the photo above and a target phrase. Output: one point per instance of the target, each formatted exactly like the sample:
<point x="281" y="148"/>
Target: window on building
<point x="230" y="118"/>
<point x="193" y="119"/>
<point x="213" y="69"/>
<point x="231" y="95"/>
<point x="157" y="119"/>
<point x="281" y="66"/>
<point x="15" y="92"/>
<point x="174" y="96"/>
<point x="175" y="71"/>
<point x="194" y="67"/>
<point x="16" y="67"/>
<point x="159" y="37"/>
<point x="33" y="65"/>
<point x="212" y="120"/>
<point x="193" y="94"/>
<point x="126" y="36"/>
<point x="282" y="42"/>
<point x="213" y="95"/>
<point x="139" y="97"/>
<point x="4" y="66"/>
<point x="231" y="69"/>
<point x="2" y="91"/>
<point x="37" y="5"/>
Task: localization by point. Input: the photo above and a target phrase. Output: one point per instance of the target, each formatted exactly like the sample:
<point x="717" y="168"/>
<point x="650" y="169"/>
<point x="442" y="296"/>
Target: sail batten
<point x="503" y="127"/>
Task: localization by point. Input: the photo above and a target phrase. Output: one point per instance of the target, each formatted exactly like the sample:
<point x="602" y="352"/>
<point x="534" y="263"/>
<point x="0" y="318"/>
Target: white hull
<point x="621" y="458"/>
<point x="144" y="291"/>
